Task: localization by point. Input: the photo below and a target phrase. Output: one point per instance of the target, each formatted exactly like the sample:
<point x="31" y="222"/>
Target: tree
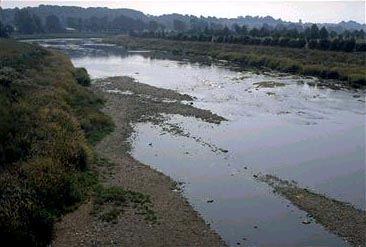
<point x="126" y="24"/>
<point x="93" y="24"/>
<point x="312" y="44"/>
<point x="153" y="26"/>
<point x="254" y="32"/>
<point x="265" y="30"/>
<point x="244" y="30"/>
<point x="324" y="44"/>
<point x="25" y="22"/>
<point x="349" y="45"/>
<point x="225" y="31"/>
<point x="53" y="24"/>
<point x="76" y="23"/>
<point x="3" y="33"/>
<point x="179" y="26"/>
<point x="335" y="45"/>
<point x="360" y="47"/>
<point x="236" y="28"/>
<point x="314" y="32"/>
<point x="38" y="24"/>
<point x="323" y="33"/>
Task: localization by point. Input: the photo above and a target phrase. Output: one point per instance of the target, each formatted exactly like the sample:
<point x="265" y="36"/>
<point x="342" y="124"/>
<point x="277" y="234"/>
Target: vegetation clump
<point x="269" y="84"/>
<point x="48" y="123"/>
<point x="82" y="77"/>
<point x="109" y="203"/>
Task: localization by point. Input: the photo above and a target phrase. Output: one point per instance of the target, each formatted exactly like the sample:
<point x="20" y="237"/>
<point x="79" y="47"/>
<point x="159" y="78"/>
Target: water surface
<point x="310" y="134"/>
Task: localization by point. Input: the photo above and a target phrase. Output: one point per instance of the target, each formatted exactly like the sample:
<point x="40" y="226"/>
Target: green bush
<point x="23" y="219"/>
<point x="82" y="77"/>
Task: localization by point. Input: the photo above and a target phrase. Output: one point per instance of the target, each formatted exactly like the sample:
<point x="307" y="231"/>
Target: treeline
<point x="167" y="22"/>
<point x="311" y="38"/>
<point x="197" y="29"/>
<point x="27" y="23"/>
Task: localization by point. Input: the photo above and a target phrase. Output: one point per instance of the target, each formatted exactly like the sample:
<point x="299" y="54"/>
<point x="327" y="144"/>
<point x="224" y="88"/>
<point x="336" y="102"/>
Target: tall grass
<point x="47" y="126"/>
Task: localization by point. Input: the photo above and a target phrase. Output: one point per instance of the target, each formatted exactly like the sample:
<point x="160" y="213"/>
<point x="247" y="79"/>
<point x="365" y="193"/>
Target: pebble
<point x="210" y="201"/>
<point x="306" y="222"/>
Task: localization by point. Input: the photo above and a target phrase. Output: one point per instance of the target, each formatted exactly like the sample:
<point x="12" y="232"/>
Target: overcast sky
<point x="308" y="11"/>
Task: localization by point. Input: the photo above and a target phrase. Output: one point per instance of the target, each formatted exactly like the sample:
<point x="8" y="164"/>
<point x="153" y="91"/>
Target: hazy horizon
<point x="307" y="11"/>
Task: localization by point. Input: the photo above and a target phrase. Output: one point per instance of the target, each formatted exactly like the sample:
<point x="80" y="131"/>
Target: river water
<point x="277" y="124"/>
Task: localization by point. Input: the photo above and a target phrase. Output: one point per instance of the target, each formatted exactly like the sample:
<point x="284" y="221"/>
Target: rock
<point x="210" y="201"/>
<point x="255" y="176"/>
<point x="306" y="222"/>
<point x="150" y="144"/>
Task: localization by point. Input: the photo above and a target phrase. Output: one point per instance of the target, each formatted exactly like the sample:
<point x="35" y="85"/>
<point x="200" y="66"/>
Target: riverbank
<point x="346" y="67"/>
<point x="177" y="224"/>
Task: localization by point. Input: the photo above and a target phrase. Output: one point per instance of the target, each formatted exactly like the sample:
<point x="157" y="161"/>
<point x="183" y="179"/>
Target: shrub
<point x="50" y="181"/>
<point x="23" y="220"/>
<point x="82" y="77"/>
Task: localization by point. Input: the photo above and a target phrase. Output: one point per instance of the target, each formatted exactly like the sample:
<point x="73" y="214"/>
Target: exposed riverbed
<point x="277" y="124"/>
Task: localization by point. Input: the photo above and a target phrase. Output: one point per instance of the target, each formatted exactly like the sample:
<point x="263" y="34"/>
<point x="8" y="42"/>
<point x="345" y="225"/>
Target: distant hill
<point x="167" y="21"/>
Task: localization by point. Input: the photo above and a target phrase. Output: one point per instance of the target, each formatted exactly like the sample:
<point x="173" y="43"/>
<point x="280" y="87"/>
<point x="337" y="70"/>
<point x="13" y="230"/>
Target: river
<point x="277" y="124"/>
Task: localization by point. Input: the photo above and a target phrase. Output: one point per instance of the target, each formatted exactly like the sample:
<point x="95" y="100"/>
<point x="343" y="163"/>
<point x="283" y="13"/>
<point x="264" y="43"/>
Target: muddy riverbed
<point x="278" y="124"/>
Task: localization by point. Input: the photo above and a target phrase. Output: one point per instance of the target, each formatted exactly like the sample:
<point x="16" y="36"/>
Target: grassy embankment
<point x="49" y="123"/>
<point x="347" y="67"/>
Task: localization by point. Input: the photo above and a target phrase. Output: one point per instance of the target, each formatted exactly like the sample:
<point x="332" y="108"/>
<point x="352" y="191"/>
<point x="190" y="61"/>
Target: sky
<point x="306" y="10"/>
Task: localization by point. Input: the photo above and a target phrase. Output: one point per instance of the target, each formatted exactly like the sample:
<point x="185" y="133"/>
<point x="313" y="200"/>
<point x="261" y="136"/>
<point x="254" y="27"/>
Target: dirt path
<point x="178" y="224"/>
